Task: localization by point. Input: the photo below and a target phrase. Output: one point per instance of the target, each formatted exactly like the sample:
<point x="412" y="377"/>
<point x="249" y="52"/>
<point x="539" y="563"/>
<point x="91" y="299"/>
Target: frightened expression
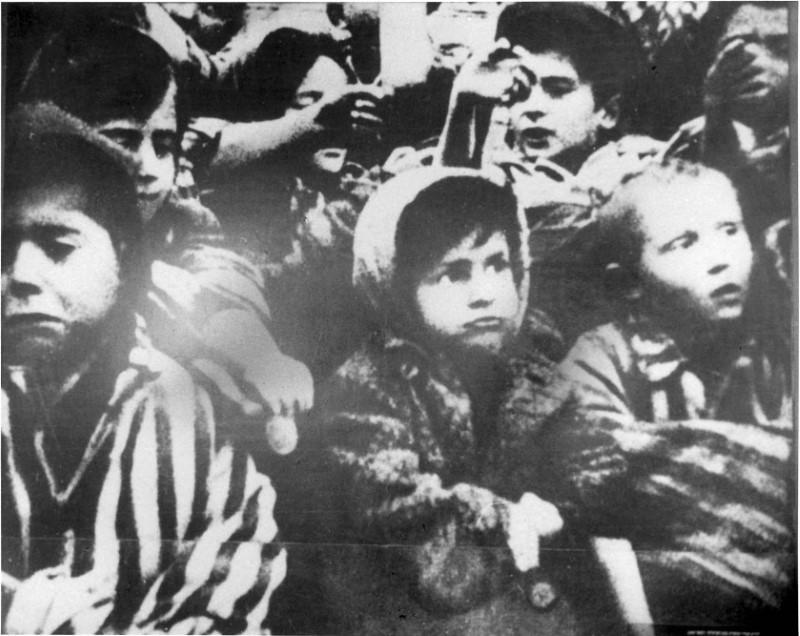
<point x="469" y="298"/>
<point x="696" y="255"/>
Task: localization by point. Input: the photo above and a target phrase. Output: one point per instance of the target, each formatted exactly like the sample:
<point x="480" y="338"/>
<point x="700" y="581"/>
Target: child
<point x="124" y="85"/>
<point x="424" y="444"/>
<point x="123" y="509"/>
<point x="680" y="438"/>
<point x="559" y="69"/>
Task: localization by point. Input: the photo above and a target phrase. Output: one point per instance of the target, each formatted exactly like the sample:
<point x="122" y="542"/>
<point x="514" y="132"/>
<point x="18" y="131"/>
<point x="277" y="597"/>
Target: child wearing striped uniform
<point x="678" y="433"/>
<point x="125" y="510"/>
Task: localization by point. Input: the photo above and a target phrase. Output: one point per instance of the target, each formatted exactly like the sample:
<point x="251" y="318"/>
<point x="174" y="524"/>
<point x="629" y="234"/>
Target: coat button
<point x="542" y="595"/>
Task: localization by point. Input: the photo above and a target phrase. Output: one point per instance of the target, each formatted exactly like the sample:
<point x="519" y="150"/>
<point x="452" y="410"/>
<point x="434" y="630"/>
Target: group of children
<point x="543" y="376"/>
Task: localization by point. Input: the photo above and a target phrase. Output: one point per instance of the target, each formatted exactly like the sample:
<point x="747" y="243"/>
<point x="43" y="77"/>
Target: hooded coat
<point x="413" y="477"/>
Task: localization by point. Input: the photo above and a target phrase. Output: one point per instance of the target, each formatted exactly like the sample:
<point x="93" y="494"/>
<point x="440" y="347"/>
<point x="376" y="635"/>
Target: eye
<point x="731" y="229"/>
<point x="557" y="86"/>
<point x="164" y="144"/>
<point x="58" y="249"/>
<point x="455" y="273"/>
<point x="128" y="139"/>
<point x="499" y="263"/>
<point x="683" y="242"/>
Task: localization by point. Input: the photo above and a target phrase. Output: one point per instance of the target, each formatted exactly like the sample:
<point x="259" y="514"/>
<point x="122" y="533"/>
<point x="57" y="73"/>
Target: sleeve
<point x="704" y="503"/>
<point x="223" y="580"/>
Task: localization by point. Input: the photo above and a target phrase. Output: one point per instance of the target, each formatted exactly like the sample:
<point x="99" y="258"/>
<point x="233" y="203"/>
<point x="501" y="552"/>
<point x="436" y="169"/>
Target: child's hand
<point x="744" y="72"/>
<point x="529" y="520"/>
<point x="492" y="76"/>
<point x="356" y="109"/>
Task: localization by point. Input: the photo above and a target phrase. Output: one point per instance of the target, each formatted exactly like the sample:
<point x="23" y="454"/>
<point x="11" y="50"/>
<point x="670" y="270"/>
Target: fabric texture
<point x="163" y="524"/>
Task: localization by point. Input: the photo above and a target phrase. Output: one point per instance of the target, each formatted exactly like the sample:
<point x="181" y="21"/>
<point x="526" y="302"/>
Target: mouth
<point x="31" y="320"/>
<point x="727" y="293"/>
<point x="536" y="137"/>
<point x="489" y="323"/>
<point x="149" y="196"/>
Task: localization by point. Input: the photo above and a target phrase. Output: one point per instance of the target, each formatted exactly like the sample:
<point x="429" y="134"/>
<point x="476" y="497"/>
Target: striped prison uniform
<point x="162" y="526"/>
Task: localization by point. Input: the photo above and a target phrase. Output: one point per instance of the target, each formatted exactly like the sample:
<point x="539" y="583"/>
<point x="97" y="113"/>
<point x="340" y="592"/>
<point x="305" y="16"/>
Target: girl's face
<point x="324" y="78"/>
<point x="696" y="254"/>
<point x="469" y="298"/>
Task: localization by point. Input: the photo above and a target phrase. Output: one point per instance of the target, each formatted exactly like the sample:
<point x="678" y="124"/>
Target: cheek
<point x="90" y="289"/>
<point x="440" y="306"/>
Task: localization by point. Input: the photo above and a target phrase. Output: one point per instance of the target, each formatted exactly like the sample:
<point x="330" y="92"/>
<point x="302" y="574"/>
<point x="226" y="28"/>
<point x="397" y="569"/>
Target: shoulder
<point x="600" y="346"/>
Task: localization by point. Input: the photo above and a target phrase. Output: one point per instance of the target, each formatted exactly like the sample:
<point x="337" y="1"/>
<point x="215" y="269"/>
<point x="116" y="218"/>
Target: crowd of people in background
<point x="468" y="318"/>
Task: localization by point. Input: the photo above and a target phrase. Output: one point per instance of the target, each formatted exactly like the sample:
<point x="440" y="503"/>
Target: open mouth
<point x="536" y="137"/>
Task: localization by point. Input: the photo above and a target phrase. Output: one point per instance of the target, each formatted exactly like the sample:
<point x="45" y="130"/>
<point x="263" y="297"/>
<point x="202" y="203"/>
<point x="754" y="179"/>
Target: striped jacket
<point x="159" y="526"/>
<point x="695" y="469"/>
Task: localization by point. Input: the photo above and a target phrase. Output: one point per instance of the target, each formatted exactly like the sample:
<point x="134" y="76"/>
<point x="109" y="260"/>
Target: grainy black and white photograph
<point x="399" y="318"/>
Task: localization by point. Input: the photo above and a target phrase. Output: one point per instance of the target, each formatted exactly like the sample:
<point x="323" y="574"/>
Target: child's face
<point x="154" y="142"/>
<point x="696" y="254"/>
<point x="469" y="298"/>
<point x="60" y="274"/>
<point x="558" y="117"/>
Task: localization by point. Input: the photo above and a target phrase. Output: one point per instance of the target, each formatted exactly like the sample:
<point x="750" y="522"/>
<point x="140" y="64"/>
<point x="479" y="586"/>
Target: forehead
<point x="468" y="248"/>
<point x="756" y="20"/>
<point x="164" y="117"/>
<point x="690" y="204"/>
<point x="61" y="207"/>
<point x="547" y="63"/>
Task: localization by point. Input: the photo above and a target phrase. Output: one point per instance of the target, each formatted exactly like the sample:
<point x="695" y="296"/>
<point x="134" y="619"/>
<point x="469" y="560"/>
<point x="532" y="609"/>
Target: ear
<point x="622" y="282"/>
<point x="608" y="113"/>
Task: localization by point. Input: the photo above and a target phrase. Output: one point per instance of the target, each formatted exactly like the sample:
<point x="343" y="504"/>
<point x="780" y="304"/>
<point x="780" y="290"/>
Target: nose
<point x="481" y="290"/>
<point x="26" y="274"/>
<point x="148" y="162"/>
<point x="535" y="103"/>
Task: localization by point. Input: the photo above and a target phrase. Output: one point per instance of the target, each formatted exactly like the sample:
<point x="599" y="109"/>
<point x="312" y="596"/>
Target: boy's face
<point x="469" y="298"/>
<point x="558" y="118"/>
<point x="696" y="254"/>
<point x="60" y="275"/>
<point x="154" y="142"/>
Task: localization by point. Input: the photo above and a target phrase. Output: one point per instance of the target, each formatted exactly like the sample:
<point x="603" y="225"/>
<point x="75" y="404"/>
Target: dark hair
<point x="605" y="54"/>
<point x="104" y="72"/>
<point x="66" y="159"/>
<point x="444" y="214"/>
<point x="273" y="74"/>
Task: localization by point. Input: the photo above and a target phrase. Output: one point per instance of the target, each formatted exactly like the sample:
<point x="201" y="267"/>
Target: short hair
<point x="108" y="71"/>
<point x="605" y="54"/>
<point x="444" y="214"/>
<point x="618" y="237"/>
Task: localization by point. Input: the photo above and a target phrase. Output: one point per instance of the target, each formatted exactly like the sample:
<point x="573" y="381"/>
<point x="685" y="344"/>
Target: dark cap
<point x="47" y="145"/>
<point x="599" y="41"/>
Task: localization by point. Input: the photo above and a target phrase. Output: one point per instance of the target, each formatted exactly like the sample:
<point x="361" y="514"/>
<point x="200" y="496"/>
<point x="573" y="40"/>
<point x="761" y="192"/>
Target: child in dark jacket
<point x="423" y="447"/>
<point x="682" y="431"/>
